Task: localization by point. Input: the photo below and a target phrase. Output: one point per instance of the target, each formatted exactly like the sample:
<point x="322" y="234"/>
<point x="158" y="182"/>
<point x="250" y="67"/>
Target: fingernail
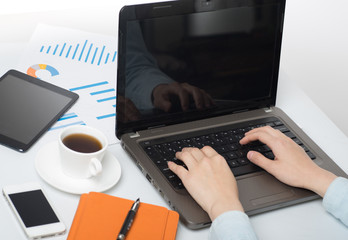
<point x="250" y="154"/>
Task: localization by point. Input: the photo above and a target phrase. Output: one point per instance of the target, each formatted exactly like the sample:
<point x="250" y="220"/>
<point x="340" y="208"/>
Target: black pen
<point x="129" y="220"/>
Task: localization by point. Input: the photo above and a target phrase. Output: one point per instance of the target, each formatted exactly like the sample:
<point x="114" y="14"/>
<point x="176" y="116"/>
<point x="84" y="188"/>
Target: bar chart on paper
<point x="84" y="51"/>
<point x="84" y="63"/>
<point x="102" y="93"/>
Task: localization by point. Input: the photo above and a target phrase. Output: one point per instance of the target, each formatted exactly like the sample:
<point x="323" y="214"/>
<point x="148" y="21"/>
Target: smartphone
<point x="33" y="210"/>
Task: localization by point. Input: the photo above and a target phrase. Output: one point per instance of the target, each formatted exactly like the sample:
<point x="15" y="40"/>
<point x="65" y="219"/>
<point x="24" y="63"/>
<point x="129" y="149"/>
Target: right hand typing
<point x="291" y="164"/>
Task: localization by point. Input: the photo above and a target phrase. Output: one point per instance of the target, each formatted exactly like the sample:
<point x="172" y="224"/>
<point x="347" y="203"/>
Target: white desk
<point x="304" y="221"/>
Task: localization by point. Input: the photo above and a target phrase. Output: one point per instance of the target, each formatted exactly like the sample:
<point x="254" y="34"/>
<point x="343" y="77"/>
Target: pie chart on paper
<point x="32" y="71"/>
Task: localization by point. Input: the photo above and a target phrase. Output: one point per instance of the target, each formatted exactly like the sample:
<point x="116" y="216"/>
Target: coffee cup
<point x="82" y="150"/>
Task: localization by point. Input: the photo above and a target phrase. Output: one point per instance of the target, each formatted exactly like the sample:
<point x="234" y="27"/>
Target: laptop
<point x="203" y="72"/>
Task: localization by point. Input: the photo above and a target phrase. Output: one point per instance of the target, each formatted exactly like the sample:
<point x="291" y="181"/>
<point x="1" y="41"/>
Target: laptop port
<point x="140" y="167"/>
<point x="148" y="177"/>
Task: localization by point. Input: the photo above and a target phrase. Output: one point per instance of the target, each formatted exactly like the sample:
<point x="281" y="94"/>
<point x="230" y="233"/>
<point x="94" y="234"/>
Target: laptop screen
<point x="194" y="59"/>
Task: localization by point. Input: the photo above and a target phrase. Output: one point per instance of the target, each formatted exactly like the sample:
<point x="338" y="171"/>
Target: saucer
<point x="47" y="165"/>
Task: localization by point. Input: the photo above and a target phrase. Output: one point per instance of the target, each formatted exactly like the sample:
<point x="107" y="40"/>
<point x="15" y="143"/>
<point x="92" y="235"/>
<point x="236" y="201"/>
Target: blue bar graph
<point x="83" y="49"/>
<point x="101" y="55"/>
<point x="106" y="99"/>
<point x="88" y="86"/>
<point x="95" y="53"/>
<point x="89" y="52"/>
<point x="67" y="54"/>
<point x="67" y="116"/>
<point x="106" y="116"/>
<point x="77" y="47"/>
<point x="113" y="59"/>
<point x="68" y="119"/>
<point x="55" y="50"/>
<point x="103" y="91"/>
<point x="67" y="125"/>
<point x="107" y="58"/>
<point x="60" y="54"/>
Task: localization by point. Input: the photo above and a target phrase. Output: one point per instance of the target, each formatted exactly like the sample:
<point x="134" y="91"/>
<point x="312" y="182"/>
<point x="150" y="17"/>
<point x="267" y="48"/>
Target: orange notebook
<point x="100" y="216"/>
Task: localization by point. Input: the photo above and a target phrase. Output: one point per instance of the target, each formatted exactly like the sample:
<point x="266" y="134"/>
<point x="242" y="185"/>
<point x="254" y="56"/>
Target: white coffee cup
<point x="79" y="163"/>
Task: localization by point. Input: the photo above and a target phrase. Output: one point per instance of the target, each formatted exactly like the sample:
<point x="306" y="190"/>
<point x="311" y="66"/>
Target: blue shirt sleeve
<point x="236" y="225"/>
<point x="232" y="225"/>
<point x="336" y="199"/>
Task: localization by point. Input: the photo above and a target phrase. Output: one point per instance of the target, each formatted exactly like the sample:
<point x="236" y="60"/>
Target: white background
<point x="314" y="52"/>
<point x="314" y="56"/>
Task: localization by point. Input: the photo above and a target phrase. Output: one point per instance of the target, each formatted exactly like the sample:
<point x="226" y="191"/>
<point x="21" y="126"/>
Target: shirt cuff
<point x="335" y="200"/>
<point x="232" y="225"/>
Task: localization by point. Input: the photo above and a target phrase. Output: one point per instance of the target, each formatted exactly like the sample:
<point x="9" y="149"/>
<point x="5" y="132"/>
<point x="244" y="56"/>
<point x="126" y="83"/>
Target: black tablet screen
<point x="26" y="108"/>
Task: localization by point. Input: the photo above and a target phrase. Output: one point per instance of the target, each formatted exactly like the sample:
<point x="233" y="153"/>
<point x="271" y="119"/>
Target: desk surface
<point x="304" y="221"/>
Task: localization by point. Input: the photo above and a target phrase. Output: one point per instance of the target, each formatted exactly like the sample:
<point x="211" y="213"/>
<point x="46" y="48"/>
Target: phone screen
<point x="33" y="208"/>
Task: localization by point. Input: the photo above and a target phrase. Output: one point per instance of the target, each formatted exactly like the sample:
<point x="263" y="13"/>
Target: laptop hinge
<point x="134" y="135"/>
<point x="268" y="110"/>
<point x="157" y="126"/>
<point x="240" y="111"/>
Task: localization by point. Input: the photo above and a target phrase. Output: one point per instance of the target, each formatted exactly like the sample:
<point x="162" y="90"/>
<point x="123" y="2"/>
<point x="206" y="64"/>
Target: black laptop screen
<point x="176" y="67"/>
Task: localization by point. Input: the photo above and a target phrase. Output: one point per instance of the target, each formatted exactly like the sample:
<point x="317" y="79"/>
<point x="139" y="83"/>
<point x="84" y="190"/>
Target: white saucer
<point x="48" y="166"/>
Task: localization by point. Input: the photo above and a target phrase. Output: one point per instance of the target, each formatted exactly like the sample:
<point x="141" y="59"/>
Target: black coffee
<point x="83" y="143"/>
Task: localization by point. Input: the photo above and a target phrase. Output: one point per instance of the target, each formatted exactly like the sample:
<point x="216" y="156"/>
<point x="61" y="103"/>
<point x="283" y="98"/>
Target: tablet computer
<point x="28" y="108"/>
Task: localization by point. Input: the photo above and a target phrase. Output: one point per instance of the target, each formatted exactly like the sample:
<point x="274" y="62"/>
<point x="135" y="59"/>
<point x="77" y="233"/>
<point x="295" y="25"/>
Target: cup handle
<point x="95" y="167"/>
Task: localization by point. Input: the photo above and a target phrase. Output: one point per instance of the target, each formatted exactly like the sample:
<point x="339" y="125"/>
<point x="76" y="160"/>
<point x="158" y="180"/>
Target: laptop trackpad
<point x="262" y="189"/>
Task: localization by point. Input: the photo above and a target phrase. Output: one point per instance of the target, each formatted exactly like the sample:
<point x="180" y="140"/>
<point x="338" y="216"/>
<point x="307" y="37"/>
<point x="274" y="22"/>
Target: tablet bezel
<point x="15" y="143"/>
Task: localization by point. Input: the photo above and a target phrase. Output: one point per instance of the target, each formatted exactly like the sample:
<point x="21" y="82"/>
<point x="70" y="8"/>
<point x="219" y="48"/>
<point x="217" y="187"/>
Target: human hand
<point x="163" y="96"/>
<point x="208" y="179"/>
<point x="291" y="164"/>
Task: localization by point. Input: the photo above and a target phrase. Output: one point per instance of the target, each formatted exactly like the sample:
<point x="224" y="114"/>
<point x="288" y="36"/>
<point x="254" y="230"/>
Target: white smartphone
<point x="31" y="207"/>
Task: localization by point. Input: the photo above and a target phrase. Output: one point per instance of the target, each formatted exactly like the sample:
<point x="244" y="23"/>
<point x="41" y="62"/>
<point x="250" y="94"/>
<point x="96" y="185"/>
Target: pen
<point x="129" y="220"/>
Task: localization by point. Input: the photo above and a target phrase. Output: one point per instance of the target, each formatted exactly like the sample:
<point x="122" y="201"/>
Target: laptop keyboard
<point x="225" y="140"/>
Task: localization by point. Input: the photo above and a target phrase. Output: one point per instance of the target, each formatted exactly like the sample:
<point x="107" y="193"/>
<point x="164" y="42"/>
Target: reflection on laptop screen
<point x="201" y="63"/>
